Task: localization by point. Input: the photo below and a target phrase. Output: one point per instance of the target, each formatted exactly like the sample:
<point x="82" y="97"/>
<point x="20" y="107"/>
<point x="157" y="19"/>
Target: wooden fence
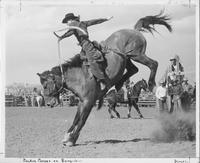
<point x="11" y="100"/>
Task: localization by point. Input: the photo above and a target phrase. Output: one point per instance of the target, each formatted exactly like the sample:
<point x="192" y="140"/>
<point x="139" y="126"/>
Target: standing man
<point x="173" y="77"/>
<point x="161" y="95"/>
<point x="175" y="71"/>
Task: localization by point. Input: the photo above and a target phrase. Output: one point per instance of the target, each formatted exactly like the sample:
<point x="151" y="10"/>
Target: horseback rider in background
<point x="90" y="50"/>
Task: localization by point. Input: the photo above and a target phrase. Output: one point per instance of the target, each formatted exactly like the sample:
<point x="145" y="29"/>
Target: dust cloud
<point x="178" y="126"/>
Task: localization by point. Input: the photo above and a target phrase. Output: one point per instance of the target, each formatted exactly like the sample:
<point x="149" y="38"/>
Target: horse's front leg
<point x="67" y="136"/>
<point x="137" y="108"/>
<point x="73" y="133"/>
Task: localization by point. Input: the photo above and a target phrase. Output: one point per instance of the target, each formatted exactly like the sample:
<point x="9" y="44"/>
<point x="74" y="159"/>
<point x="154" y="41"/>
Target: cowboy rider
<point x="93" y="54"/>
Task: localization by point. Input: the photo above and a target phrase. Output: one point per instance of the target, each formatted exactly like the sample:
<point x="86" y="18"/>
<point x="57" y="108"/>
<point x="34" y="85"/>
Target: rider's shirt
<point x="93" y="54"/>
<point x="83" y="25"/>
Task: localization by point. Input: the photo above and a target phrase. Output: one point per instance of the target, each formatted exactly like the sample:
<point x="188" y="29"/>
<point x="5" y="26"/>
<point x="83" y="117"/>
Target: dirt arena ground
<point x="37" y="132"/>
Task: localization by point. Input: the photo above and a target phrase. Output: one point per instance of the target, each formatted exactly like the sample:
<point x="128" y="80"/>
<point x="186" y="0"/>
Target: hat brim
<point x="66" y="19"/>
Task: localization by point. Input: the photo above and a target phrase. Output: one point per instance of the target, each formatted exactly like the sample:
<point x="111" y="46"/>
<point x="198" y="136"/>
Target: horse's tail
<point x="100" y="103"/>
<point x="146" y="24"/>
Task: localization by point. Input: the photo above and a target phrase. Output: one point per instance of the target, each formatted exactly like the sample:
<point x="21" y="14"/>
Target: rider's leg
<point x="97" y="63"/>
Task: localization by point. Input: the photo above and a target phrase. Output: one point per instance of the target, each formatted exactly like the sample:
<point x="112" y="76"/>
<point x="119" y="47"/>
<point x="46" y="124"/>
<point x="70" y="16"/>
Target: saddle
<point x="101" y="47"/>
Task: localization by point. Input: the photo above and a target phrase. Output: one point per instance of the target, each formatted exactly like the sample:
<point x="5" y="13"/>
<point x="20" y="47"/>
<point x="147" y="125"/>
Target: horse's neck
<point x="74" y="80"/>
<point x="137" y="89"/>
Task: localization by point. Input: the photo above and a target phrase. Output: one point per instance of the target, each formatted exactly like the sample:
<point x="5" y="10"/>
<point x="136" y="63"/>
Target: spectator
<point x="175" y="72"/>
<point x="161" y="95"/>
<point x="187" y="87"/>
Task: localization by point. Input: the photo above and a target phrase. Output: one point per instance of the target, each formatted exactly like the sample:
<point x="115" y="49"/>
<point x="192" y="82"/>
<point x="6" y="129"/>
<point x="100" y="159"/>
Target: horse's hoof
<point x="129" y="116"/>
<point x="68" y="144"/>
<point x="141" y="117"/>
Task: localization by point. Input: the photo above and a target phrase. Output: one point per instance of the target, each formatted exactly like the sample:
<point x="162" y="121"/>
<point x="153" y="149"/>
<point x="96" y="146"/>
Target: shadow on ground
<point x="113" y="141"/>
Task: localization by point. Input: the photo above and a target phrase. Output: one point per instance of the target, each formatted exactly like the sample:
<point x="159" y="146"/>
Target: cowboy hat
<point x="172" y="58"/>
<point x="176" y="57"/>
<point x="69" y="16"/>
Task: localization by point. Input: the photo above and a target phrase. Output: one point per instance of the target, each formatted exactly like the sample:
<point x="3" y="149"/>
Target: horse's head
<point x="144" y="84"/>
<point x="52" y="85"/>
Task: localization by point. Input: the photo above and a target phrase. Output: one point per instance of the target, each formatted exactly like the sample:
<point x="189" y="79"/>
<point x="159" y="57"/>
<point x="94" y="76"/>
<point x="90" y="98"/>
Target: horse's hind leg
<point x="131" y="70"/>
<point x="110" y="111"/>
<point x="152" y="64"/>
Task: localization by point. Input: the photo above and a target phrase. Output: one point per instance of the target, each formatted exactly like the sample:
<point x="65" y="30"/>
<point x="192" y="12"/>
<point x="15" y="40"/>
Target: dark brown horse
<point x="123" y="45"/>
<point x="132" y="95"/>
<point x="133" y="43"/>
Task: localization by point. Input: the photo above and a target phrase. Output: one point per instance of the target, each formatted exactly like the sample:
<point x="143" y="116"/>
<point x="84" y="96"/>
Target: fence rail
<point x="11" y="100"/>
<point x="147" y="103"/>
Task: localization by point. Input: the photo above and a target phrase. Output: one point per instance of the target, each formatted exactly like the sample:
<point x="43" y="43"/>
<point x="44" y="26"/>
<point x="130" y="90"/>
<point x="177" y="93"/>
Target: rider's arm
<point x="67" y="34"/>
<point x="95" y="21"/>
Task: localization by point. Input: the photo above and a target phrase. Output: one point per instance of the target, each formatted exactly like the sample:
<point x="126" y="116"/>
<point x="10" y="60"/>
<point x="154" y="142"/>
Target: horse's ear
<point x="40" y="75"/>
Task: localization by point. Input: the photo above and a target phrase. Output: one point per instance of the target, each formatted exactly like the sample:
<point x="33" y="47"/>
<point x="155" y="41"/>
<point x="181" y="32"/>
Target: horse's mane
<point x="71" y="63"/>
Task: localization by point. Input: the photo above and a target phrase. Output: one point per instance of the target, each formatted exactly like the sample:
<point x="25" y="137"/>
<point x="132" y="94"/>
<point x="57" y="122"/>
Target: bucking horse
<point x="123" y="46"/>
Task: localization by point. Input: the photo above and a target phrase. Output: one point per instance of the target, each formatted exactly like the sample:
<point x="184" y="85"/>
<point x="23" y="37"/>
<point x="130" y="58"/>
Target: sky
<point x="31" y="47"/>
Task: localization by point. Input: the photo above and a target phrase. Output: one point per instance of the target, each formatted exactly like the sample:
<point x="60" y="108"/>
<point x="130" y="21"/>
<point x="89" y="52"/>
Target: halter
<point x="58" y="91"/>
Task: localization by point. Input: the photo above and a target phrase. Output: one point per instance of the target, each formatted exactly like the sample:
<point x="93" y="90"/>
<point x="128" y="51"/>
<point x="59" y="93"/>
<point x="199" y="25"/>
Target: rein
<point x="61" y="69"/>
<point x="60" y="64"/>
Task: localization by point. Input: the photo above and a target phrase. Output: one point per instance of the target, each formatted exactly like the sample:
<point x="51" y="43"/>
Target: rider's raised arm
<point x="96" y="21"/>
<point x="67" y="34"/>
